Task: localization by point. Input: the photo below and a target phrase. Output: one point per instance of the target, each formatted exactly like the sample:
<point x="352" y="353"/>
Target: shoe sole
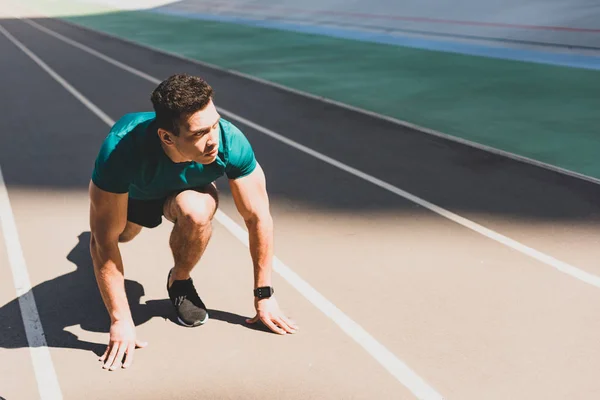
<point x="193" y="325"/>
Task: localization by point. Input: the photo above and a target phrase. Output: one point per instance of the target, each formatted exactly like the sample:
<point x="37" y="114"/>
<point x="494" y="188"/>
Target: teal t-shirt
<point x="132" y="161"/>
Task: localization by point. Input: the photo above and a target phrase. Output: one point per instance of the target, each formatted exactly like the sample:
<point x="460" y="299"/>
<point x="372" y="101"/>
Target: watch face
<point x="264" y="292"/>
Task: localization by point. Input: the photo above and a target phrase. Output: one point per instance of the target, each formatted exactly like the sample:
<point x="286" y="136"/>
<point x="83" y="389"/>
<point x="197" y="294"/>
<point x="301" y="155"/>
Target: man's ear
<point x="165" y="136"/>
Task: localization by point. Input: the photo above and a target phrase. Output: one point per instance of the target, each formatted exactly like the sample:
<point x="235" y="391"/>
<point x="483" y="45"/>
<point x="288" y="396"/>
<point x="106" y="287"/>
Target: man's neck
<point x="170" y="152"/>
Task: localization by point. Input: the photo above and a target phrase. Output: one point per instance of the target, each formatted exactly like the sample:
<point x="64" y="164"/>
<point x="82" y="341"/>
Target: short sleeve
<point x="241" y="161"/>
<point x="112" y="167"/>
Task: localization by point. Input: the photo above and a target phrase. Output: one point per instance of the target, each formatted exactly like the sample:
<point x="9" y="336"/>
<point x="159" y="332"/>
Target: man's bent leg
<point x="192" y="212"/>
<point x="131" y="230"/>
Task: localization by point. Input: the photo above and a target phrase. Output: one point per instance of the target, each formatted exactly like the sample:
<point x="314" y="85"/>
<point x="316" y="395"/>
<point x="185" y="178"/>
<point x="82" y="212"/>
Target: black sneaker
<point x="190" y="309"/>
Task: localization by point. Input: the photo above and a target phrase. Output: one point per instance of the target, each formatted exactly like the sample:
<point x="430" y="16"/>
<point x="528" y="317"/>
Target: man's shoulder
<point x="233" y="138"/>
<point x="232" y="135"/>
<point x="229" y="128"/>
<point x="127" y="129"/>
<point x="129" y="122"/>
<point x="120" y="152"/>
<point x="126" y="136"/>
<point x="239" y="155"/>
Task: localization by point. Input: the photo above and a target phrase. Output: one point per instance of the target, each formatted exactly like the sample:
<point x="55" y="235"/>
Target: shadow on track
<point x="74" y="299"/>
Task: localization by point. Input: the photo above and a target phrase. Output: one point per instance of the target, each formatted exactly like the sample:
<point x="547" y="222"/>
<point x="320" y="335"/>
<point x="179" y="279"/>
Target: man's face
<point x="198" y="138"/>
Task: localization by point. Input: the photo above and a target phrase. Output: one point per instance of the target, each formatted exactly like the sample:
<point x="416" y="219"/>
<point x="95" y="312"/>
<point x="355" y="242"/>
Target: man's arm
<point x="252" y="202"/>
<point x="108" y="217"/>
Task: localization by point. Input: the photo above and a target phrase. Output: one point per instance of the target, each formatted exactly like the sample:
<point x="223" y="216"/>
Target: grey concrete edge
<point x="399" y="122"/>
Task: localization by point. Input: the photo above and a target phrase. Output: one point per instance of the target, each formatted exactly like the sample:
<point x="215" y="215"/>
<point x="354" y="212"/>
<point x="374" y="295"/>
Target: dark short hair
<point x="179" y="97"/>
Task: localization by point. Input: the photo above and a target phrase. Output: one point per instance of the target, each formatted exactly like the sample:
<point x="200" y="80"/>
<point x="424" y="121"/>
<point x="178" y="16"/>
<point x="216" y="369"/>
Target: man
<point x="164" y="163"/>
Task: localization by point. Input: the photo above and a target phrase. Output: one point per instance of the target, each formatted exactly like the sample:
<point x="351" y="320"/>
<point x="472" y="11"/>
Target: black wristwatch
<point x="264" y="292"/>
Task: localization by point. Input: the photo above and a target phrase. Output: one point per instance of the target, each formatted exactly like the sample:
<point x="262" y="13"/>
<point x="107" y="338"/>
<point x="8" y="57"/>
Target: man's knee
<point x="195" y="208"/>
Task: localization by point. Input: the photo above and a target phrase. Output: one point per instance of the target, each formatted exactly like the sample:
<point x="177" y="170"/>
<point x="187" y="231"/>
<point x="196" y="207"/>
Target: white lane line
<point x="57" y="77"/>
<point x="386" y="358"/>
<point x="93" y="52"/>
<point x="513" y="244"/>
<point x="373" y="114"/>
<point x="395" y="366"/>
<point x="546" y="259"/>
<point x="47" y="382"/>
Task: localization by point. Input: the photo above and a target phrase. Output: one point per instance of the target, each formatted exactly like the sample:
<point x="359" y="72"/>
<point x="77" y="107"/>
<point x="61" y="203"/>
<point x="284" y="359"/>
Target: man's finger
<point x="290" y="323"/>
<point x="129" y="355"/>
<point x="111" y="355"/>
<point x="272" y="326"/>
<point x="103" y="356"/>
<point x="119" y="358"/>
<point x="252" y="320"/>
<point x="283" y="324"/>
<point x="140" y="344"/>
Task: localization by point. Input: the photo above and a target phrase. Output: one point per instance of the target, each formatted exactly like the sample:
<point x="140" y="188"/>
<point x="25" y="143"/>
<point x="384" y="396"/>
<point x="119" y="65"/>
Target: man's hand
<point x="267" y="311"/>
<point x="122" y="343"/>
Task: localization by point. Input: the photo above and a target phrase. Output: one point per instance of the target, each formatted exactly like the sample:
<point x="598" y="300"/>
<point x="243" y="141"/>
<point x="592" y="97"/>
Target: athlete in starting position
<point x="164" y="163"/>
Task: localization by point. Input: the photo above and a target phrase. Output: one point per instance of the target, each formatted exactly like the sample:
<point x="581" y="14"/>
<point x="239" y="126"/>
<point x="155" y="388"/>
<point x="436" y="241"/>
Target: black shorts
<point x="149" y="213"/>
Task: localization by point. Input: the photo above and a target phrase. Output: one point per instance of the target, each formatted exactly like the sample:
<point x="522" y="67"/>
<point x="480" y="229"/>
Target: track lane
<point x="302" y="231"/>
